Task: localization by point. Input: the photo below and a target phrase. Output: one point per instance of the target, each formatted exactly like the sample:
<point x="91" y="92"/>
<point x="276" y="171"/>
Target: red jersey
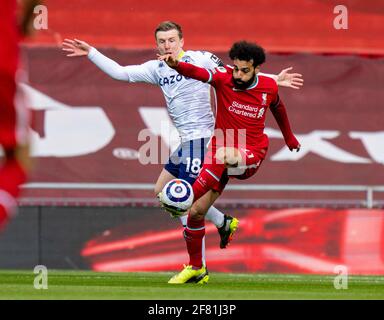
<point x="9" y="37"/>
<point x="240" y="113"/>
<point x="244" y="111"/>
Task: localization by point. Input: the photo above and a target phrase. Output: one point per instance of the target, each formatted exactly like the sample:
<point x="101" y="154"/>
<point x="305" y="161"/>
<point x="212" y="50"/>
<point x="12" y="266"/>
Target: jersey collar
<point x="181" y="54"/>
<point x="253" y="85"/>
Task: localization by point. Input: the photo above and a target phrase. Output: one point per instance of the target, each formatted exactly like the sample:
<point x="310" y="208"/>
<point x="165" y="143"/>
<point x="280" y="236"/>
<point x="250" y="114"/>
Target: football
<point x="177" y="195"/>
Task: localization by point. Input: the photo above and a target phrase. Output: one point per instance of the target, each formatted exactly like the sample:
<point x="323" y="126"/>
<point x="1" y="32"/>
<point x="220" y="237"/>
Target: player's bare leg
<point x="232" y="158"/>
<point x="226" y="158"/>
<point x="200" y="207"/>
<point x="162" y="180"/>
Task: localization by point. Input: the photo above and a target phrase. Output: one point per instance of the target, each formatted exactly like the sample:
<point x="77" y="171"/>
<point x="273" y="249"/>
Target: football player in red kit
<point x="14" y="119"/>
<point x="239" y="145"/>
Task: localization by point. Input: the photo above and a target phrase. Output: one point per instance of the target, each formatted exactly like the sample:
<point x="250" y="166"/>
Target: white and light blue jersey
<point x="188" y="100"/>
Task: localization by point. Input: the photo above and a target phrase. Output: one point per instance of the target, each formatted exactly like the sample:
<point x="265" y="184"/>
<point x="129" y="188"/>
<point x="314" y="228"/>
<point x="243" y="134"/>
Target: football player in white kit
<point x="188" y="103"/>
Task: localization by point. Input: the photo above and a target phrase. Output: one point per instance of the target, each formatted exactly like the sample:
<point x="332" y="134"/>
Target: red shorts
<point x="252" y="158"/>
<point x="14" y="116"/>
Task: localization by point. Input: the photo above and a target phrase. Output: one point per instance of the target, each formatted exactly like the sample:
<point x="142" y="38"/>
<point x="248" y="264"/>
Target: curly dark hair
<point x="247" y="51"/>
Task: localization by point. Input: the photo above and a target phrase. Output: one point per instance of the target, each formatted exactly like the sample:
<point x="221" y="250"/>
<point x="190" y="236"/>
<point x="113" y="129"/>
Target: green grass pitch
<point x="153" y="286"/>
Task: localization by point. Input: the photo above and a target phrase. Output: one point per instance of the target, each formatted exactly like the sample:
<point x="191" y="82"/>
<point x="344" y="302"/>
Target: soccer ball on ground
<point x="177" y="196"/>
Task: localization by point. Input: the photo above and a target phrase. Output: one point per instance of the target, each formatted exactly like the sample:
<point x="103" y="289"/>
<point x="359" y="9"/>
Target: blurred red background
<point x="279" y="26"/>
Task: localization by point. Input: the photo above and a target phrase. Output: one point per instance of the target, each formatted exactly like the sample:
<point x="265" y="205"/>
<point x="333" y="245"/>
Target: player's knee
<point x="230" y="156"/>
<point x="197" y="212"/>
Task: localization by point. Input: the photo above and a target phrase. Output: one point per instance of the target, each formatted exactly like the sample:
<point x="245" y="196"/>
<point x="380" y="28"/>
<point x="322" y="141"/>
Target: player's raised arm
<point x="286" y="79"/>
<point x="283" y="79"/>
<point x="280" y="113"/>
<point x="186" y="69"/>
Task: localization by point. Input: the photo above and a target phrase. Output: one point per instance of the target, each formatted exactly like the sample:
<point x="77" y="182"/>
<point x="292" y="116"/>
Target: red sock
<point x="193" y="235"/>
<point x="208" y="178"/>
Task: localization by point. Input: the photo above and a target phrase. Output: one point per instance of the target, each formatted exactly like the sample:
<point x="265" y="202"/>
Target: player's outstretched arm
<point x="186" y="69"/>
<point x="78" y="48"/>
<point x="280" y="113"/>
<point x="286" y="79"/>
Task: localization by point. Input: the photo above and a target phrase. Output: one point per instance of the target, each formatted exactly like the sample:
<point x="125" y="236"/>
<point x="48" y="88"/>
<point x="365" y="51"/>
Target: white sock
<point x="203" y="252"/>
<point x="215" y="216"/>
<point x="183" y="220"/>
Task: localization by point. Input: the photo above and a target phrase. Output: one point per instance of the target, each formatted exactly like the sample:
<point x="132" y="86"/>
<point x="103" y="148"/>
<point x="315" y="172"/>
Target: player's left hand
<point x="290" y="80"/>
<point x="173" y="212"/>
<point x="293" y="144"/>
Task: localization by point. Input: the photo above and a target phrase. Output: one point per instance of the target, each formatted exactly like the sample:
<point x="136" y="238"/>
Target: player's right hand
<point x="75" y="48"/>
<point x="169" y="59"/>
